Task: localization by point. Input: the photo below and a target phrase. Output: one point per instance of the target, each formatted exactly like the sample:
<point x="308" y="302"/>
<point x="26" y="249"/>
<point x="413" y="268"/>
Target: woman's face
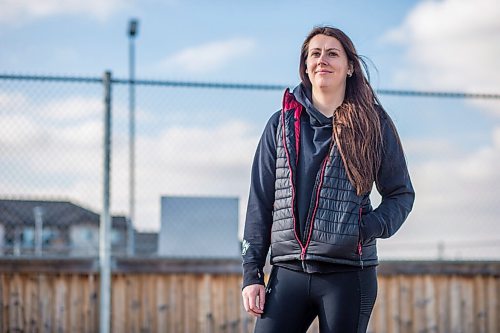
<point x="327" y="63"/>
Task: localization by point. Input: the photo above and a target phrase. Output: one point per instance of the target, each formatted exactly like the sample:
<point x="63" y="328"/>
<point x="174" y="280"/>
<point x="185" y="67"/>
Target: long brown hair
<point x="356" y="123"/>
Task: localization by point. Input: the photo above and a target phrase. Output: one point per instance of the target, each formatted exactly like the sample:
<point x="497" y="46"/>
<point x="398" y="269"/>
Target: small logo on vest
<point x="244" y="247"/>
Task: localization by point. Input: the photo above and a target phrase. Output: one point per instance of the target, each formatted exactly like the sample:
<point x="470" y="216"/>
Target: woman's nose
<point x="321" y="59"/>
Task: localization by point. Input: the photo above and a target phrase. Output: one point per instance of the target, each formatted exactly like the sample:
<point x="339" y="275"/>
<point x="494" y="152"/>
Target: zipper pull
<point x="303" y="257"/>
<point x="360" y="248"/>
<point x="303" y="254"/>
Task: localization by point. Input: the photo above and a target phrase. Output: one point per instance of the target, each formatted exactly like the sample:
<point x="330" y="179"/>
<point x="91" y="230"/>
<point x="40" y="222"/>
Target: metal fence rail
<point x="191" y="84"/>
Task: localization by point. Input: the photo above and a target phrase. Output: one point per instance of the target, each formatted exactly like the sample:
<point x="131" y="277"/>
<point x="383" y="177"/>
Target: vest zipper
<point x="303" y="258"/>
<point x="310" y="221"/>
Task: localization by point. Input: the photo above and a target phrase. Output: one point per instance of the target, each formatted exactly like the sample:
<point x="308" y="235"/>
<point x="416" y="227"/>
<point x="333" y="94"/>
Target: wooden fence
<point x="189" y="296"/>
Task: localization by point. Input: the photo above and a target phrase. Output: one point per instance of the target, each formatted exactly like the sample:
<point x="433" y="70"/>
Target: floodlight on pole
<point x="132" y="27"/>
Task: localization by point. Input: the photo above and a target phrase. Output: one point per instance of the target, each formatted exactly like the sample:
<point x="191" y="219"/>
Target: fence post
<point x="38" y="212"/>
<point x="105" y="223"/>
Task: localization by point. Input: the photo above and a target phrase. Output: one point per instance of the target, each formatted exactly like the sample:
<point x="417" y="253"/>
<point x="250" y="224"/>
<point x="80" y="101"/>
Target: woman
<point x="309" y="202"/>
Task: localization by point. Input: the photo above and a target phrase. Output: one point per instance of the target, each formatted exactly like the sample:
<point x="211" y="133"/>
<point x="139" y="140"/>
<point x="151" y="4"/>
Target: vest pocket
<point x="359" y="248"/>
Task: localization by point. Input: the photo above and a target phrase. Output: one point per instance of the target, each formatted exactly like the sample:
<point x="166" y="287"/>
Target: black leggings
<point x="342" y="301"/>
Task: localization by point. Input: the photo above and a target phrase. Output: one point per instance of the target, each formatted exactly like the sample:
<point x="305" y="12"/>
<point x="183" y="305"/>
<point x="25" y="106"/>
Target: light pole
<point x="132" y="32"/>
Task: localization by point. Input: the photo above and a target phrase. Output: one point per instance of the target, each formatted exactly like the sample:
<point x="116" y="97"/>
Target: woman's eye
<point x="314" y="54"/>
<point x="333" y="54"/>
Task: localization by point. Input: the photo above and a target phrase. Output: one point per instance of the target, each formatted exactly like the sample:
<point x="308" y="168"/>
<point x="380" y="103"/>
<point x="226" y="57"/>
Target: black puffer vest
<point x="332" y="232"/>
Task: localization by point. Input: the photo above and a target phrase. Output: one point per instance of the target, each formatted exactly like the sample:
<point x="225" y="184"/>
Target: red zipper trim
<point x="296" y="116"/>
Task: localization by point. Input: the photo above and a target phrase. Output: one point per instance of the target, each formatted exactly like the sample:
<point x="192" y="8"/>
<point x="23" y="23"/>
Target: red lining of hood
<point x="290" y="103"/>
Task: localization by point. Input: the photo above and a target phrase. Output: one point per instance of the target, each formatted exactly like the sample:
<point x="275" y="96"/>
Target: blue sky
<point x="85" y="40"/>
<point x="453" y="146"/>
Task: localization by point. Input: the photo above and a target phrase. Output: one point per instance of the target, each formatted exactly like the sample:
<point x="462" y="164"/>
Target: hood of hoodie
<point x="304" y="97"/>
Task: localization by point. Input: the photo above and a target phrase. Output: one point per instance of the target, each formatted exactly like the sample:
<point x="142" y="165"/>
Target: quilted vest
<point x="334" y="218"/>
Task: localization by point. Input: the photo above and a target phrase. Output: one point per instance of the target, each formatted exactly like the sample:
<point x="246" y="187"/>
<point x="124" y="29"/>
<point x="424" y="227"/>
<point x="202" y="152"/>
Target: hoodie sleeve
<point x="257" y="233"/>
<point x="394" y="185"/>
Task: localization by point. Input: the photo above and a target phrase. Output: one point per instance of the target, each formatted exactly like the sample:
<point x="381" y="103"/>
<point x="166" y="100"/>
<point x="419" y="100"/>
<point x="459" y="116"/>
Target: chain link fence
<point x="193" y="152"/>
<point x="51" y="161"/>
<point x="194" y="145"/>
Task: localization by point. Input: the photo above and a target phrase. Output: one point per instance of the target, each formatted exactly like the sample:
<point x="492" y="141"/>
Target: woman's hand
<point x="254" y="297"/>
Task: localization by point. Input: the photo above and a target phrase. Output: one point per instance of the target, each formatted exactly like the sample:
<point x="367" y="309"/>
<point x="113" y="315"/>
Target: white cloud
<point x="73" y="108"/>
<point x="51" y="148"/>
<point x="21" y="10"/>
<point x="456" y="199"/>
<point x="208" y="57"/>
<point x="430" y="148"/>
<point x="24" y="117"/>
<point x="18" y="131"/>
<point x="186" y="161"/>
<point x="451" y="45"/>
